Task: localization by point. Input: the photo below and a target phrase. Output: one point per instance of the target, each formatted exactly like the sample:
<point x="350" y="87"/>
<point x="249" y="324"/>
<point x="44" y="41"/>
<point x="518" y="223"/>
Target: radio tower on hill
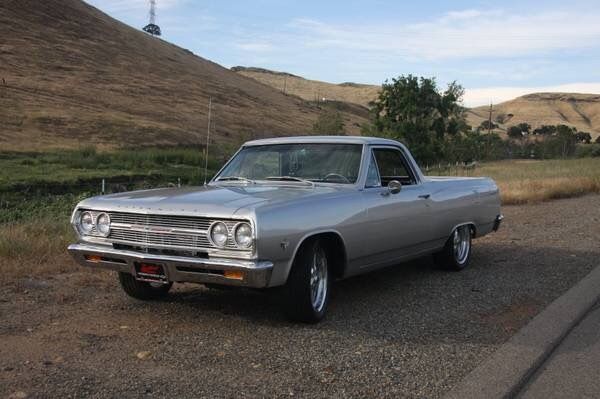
<point x="152" y="28"/>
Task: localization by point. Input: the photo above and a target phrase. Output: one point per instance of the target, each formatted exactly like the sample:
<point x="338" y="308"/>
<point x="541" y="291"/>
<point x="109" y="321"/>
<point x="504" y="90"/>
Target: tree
<point x="413" y="110"/>
<point x="525" y="127"/>
<point x="565" y="137"/>
<point x="485" y="126"/>
<point x="598" y="139"/>
<point x="329" y="122"/>
<point x="515" y="132"/>
<point x="583" y="137"/>
<point x="545" y="130"/>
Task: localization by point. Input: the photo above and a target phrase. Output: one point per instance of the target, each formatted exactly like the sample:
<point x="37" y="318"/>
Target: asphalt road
<point x="572" y="371"/>
<point x="407" y="331"/>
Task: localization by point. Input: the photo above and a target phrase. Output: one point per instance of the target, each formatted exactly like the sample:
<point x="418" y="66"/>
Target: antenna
<point x="207" y="141"/>
<point x="152" y="12"/>
<point x="152" y="28"/>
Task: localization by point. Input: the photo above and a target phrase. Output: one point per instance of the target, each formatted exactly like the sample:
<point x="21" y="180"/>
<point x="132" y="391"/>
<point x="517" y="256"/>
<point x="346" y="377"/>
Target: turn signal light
<point x="233" y="274"/>
<point x="93" y="258"/>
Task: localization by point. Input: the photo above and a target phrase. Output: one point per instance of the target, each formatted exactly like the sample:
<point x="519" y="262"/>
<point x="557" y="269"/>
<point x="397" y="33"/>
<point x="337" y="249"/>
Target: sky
<point x="496" y="50"/>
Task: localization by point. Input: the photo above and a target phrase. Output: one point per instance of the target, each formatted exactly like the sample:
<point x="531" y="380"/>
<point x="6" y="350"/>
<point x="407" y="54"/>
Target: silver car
<point x="295" y="213"/>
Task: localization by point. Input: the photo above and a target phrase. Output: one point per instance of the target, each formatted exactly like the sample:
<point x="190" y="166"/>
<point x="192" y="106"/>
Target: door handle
<point x="424" y="196"/>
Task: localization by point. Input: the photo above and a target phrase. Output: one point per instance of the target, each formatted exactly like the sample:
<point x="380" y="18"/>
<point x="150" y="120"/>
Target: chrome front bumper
<point x="256" y="274"/>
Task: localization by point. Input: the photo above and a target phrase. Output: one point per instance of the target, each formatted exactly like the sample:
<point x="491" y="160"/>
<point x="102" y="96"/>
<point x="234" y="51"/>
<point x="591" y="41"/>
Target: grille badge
<point x="151" y="229"/>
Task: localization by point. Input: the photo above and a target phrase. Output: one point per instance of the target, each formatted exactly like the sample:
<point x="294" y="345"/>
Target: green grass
<point x="34" y="184"/>
<point x="86" y="164"/>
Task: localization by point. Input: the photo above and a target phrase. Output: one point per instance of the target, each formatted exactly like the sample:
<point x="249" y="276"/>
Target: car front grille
<point x="164" y="231"/>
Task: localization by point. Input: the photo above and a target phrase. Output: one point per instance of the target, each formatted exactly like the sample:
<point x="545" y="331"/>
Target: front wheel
<point x="457" y="251"/>
<point x="141" y="289"/>
<point x="307" y="291"/>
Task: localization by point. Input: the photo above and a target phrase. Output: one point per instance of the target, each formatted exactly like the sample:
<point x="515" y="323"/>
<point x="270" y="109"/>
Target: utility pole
<point x="284" y="83"/>
<point x="489" y="137"/>
<point x="490" y="120"/>
<point x="207" y="141"/>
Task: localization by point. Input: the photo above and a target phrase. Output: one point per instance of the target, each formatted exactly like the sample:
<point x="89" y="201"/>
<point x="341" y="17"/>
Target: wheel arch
<point x="472" y="225"/>
<point x="334" y="245"/>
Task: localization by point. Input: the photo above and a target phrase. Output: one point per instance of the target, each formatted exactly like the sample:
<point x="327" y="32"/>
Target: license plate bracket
<point x="150" y="272"/>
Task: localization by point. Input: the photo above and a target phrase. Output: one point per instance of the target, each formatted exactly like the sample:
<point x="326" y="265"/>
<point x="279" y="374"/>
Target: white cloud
<point x="495" y="95"/>
<point x="460" y="34"/>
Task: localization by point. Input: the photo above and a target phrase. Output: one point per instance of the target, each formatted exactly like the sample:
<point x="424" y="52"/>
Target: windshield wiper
<point x="290" y="178"/>
<point x="235" y="178"/>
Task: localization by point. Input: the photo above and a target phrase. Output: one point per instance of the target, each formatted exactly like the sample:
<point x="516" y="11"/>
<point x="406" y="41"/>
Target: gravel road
<point x="407" y="331"/>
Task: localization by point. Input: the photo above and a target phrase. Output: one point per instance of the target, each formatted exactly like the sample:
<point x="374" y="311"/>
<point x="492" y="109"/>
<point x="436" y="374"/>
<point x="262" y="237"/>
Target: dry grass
<point x="312" y="90"/>
<point x="34" y="248"/>
<point x="76" y="76"/>
<point x="524" y="181"/>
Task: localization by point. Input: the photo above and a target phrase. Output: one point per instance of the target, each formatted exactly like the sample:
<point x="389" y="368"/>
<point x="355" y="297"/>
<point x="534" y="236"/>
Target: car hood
<point x="219" y="201"/>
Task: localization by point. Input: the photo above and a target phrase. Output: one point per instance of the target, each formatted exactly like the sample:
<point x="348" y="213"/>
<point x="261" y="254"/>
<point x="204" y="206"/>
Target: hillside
<point x="312" y="90"/>
<point x="73" y="76"/>
<point x="579" y="110"/>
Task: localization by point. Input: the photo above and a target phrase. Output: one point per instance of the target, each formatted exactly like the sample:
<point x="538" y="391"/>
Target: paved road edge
<point x="504" y="373"/>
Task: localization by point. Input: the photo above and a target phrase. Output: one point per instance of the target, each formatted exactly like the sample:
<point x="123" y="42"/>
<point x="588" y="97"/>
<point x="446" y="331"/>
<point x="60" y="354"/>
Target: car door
<point x="397" y="224"/>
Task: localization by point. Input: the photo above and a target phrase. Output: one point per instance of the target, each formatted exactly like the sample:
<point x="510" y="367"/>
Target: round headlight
<point x="103" y="224"/>
<point x="243" y="235"/>
<point x="86" y="222"/>
<point x="218" y="234"/>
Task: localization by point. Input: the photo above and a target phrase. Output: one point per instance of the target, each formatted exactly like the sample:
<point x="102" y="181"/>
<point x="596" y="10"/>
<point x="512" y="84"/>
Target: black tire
<point x="297" y="293"/>
<point x="451" y="259"/>
<point x="141" y="289"/>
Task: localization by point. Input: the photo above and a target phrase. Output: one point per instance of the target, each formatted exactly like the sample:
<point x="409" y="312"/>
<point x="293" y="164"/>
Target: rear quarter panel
<point x="459" y="200"/>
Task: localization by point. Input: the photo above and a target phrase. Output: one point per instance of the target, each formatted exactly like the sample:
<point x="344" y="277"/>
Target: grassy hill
<point x="73" y="76"/>
<point x="579" y="110"/>
<point x="312" y="90"/>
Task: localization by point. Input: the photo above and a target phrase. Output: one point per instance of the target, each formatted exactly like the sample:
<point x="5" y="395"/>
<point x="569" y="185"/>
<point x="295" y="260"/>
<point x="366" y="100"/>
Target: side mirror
<point x="394" y="186"/>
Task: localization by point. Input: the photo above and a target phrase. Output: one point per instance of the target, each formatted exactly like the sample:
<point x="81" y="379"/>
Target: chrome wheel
<point x="318" y="280"/>
<point x="461" y="244"/>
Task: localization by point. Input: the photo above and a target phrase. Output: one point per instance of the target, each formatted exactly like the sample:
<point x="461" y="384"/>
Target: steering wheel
<point x="337" y="176"/>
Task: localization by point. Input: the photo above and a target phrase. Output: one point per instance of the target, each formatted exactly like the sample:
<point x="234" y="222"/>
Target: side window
<point x="393" y="166"/>
<point x="373" y="174"/>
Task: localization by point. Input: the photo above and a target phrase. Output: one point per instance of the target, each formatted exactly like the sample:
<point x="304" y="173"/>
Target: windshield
<point x="330" y="163"/>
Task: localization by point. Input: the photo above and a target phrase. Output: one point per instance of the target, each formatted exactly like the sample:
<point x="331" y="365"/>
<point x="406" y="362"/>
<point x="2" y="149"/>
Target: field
<point x="530" y="181"/>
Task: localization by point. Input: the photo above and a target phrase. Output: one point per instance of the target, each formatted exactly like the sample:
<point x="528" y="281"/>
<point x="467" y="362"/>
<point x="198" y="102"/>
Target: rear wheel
<point x="457" y="251"/>
<point x="141" y="289"/>
<point x="307" y="291"/>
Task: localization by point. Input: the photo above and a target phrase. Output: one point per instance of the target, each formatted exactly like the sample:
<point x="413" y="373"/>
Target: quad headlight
<point x="243" y="235"/>
<point x="89" y="223"/>
<point x="218" y="234"/>
<point x="103" y="224"/>
<point x="86" y="222"/>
